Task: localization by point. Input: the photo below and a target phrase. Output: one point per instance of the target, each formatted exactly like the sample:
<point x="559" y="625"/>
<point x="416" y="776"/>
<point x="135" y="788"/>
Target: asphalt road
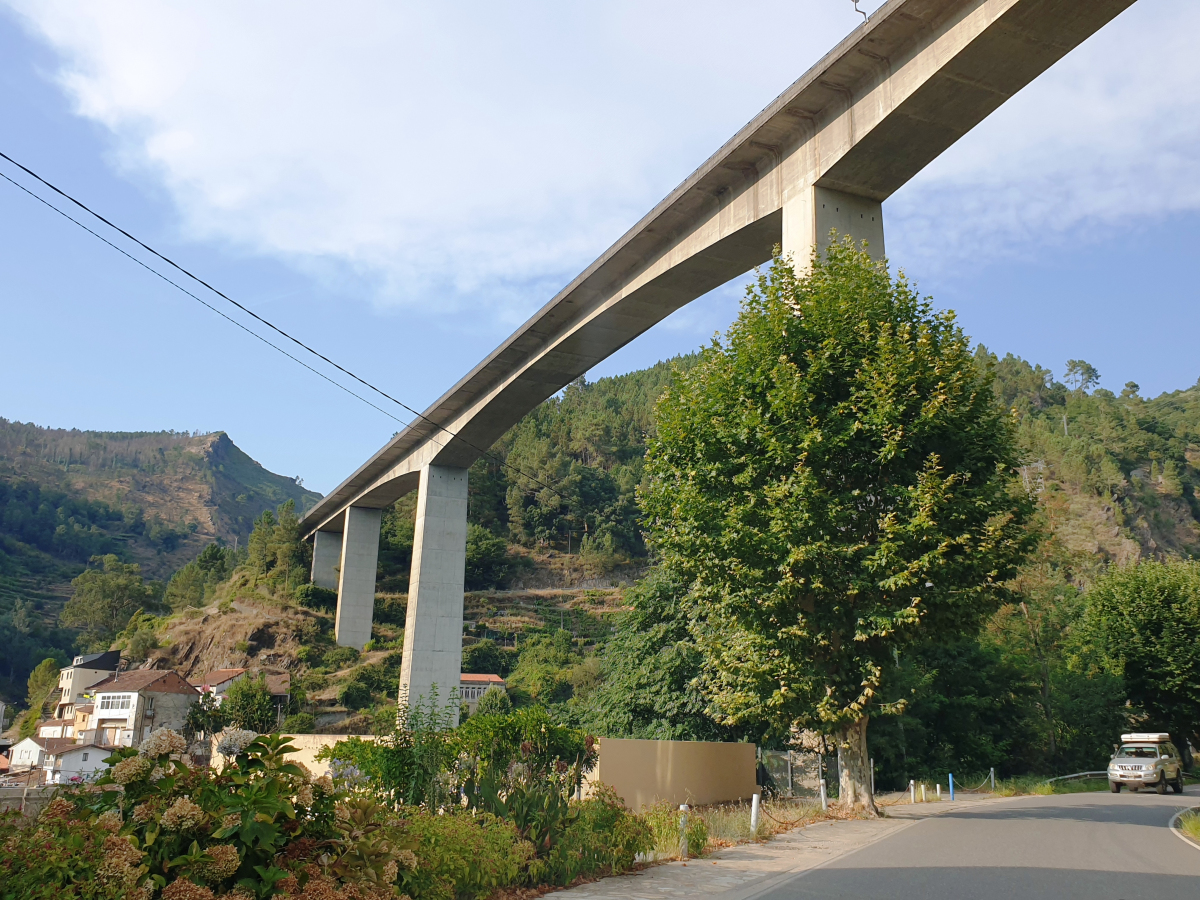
<point x="1096" y="846"/>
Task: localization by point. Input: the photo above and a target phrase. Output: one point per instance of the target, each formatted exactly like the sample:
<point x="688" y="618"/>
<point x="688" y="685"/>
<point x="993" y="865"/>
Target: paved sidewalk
<point x="747" y="870"/>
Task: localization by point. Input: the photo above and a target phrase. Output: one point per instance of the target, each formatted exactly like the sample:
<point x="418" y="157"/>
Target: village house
<point x="472" y="687"/>
<point x="76" y="678"/>
<point x="219" y="681"/>
<point x="57" y="728"/>
<point x="82" y="761"/>
<point x="31" y="753"/>
<point x="127" y="706"/>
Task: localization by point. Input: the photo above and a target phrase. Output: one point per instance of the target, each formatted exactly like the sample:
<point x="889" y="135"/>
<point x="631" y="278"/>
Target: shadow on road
<point x="977" y="883"/>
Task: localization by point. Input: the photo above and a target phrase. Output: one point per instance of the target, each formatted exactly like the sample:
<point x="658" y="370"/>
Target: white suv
<point x="1146" y="760"/>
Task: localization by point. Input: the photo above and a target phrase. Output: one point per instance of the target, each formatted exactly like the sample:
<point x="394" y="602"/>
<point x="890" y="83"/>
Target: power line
<point x="246" y="310"/>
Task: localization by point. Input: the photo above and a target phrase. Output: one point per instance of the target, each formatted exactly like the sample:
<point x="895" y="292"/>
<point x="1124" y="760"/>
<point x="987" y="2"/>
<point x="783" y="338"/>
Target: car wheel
<point x="1161" y="786"/>
<point x="1115" y="787"/>
<point x="1177" y="784"/>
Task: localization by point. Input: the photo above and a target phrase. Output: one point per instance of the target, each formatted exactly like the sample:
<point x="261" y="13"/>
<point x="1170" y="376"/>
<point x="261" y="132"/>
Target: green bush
<point x="299" y="723"/>
<point x="494" y="702"/>
<point x="339" y="658"/>
<point x="248" y="704"/>
<point x="462" y="855"/>
<point x="354" y="695"/>
<point x="604" y="838"/>
<point x="314" y="597"/>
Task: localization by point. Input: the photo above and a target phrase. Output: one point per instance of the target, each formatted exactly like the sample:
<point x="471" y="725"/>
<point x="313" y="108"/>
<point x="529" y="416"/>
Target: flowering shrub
<point x="261" y="827"/>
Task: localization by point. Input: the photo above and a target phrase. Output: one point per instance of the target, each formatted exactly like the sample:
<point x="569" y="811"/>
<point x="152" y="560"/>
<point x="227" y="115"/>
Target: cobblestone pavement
<point x="747" y="870"/>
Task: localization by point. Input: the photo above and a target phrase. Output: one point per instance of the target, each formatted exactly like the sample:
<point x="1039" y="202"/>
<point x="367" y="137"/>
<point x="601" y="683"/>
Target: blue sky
<point x="404" y="185"/>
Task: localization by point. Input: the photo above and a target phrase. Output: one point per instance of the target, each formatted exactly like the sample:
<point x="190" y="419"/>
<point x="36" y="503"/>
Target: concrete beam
<point x="327" y="559"/>
<point x="811" y="217"/>
<point x="356" y="581"/>
<point x="434" y="622"/>
<point x="891" y="97"/>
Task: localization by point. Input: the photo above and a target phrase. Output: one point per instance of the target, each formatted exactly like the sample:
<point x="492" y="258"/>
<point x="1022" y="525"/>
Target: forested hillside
<point x="564" y="596"/>
<point x="154" y="499"/>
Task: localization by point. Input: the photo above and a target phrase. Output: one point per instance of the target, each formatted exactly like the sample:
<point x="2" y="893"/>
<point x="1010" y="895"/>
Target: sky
<point x="402" y="185"/>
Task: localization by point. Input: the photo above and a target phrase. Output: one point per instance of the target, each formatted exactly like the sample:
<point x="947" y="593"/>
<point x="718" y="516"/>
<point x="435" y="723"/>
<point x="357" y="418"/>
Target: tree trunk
<point x="855" y="783"/>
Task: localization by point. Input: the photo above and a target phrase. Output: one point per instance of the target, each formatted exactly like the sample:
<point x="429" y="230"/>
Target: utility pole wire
<point x="249" y="312"/>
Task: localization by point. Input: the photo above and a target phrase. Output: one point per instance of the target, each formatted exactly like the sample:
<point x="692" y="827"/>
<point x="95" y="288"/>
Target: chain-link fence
<point x="790" y="773"/>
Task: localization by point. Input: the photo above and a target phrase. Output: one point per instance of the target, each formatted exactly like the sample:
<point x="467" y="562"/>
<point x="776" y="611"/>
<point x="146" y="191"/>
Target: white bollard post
<point x="683" y="836"/>
<point x="912" y="791"/>
<point x="754" y="800"/>
<point x="824" y="797"/>
<point x="923" y="792"/>
<point x="939" y="790"/>
<point x="993" y="777"/>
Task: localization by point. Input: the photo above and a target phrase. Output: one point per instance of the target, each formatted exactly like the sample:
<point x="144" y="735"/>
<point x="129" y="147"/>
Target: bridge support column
<point x="327" y="559"/>
<point x="356" y="581"/>
<point x="433" y="625"/>
<point x="811" y="212"/>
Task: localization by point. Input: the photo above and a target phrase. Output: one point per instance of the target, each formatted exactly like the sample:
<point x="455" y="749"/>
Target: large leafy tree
<point x="832" y="482"/>
<point x="105" y="599"/>
<point x="1144" y="623"/>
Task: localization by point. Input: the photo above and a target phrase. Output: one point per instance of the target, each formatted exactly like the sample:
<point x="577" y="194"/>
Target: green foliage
<point x="58" y="859"/>
<point x="485" y="658"/>
<point x="412" y="751"/>
<point x="299" y="723"/>
<point x="193" y="585"/>
<point x="489" y="746"/>
<point x="54" y="522"/>
<point x="542" y="670"/>
<point x="206" y="716"/>
<point x="105" y="599"/>
<point x="663" y="821"/>
<point x="316" y="597"/>
<point x="494" y="702"/>
<point x="832" y="483"/>
<point x="354" y="695"/>
<point x="1143" y="623"/>
<point x="248" y="704"/>
<point x="249" y="827"/>
<point x="650" y="670"/>
<point x="462" y="856"/>
<point x="42" y="682"/>
<point x="340" y="658"/>
<point x="487" y="559"/>
<point x="275" y="553"/>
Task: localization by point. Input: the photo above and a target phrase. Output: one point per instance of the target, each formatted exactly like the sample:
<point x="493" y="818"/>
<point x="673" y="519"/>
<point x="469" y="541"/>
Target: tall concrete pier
<point x="887" y="100"/>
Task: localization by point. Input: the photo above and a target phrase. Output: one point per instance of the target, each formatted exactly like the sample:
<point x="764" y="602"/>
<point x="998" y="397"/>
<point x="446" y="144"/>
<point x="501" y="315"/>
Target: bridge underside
<point x="877" y="109"/>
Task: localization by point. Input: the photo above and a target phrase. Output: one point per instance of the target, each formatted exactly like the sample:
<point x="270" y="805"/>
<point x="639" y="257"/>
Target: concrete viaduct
<point x="900" y="89"/>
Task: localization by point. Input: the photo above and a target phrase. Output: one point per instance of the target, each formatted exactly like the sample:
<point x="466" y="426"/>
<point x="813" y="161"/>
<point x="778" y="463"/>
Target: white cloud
<point x="476" y="155"/>
<point x="1107" y="139"/>
<point x="452" y="154"/>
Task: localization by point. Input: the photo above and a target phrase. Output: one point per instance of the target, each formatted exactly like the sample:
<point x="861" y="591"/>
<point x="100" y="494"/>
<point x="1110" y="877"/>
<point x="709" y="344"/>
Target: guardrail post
<point x="683" y="836"/>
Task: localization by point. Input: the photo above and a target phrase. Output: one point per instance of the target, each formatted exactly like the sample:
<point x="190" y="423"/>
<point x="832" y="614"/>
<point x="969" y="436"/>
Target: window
<point x="85" y="756"/>
<point x="116" y="701"/>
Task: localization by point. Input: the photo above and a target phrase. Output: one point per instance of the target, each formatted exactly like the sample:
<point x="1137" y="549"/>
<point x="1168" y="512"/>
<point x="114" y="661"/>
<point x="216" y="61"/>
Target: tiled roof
<point x="89" y="746"/>
<point x="140" y="680"/>
<point x="55" y="745"/>
<point x="218" y="676"/>
<point x="472" y="678"/>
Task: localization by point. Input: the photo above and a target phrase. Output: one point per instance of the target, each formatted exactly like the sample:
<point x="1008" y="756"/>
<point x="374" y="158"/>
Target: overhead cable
<point x="246" y="310"/>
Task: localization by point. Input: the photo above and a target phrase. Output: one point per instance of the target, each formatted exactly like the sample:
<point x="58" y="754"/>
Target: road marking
<point x="1177" y="831"/>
